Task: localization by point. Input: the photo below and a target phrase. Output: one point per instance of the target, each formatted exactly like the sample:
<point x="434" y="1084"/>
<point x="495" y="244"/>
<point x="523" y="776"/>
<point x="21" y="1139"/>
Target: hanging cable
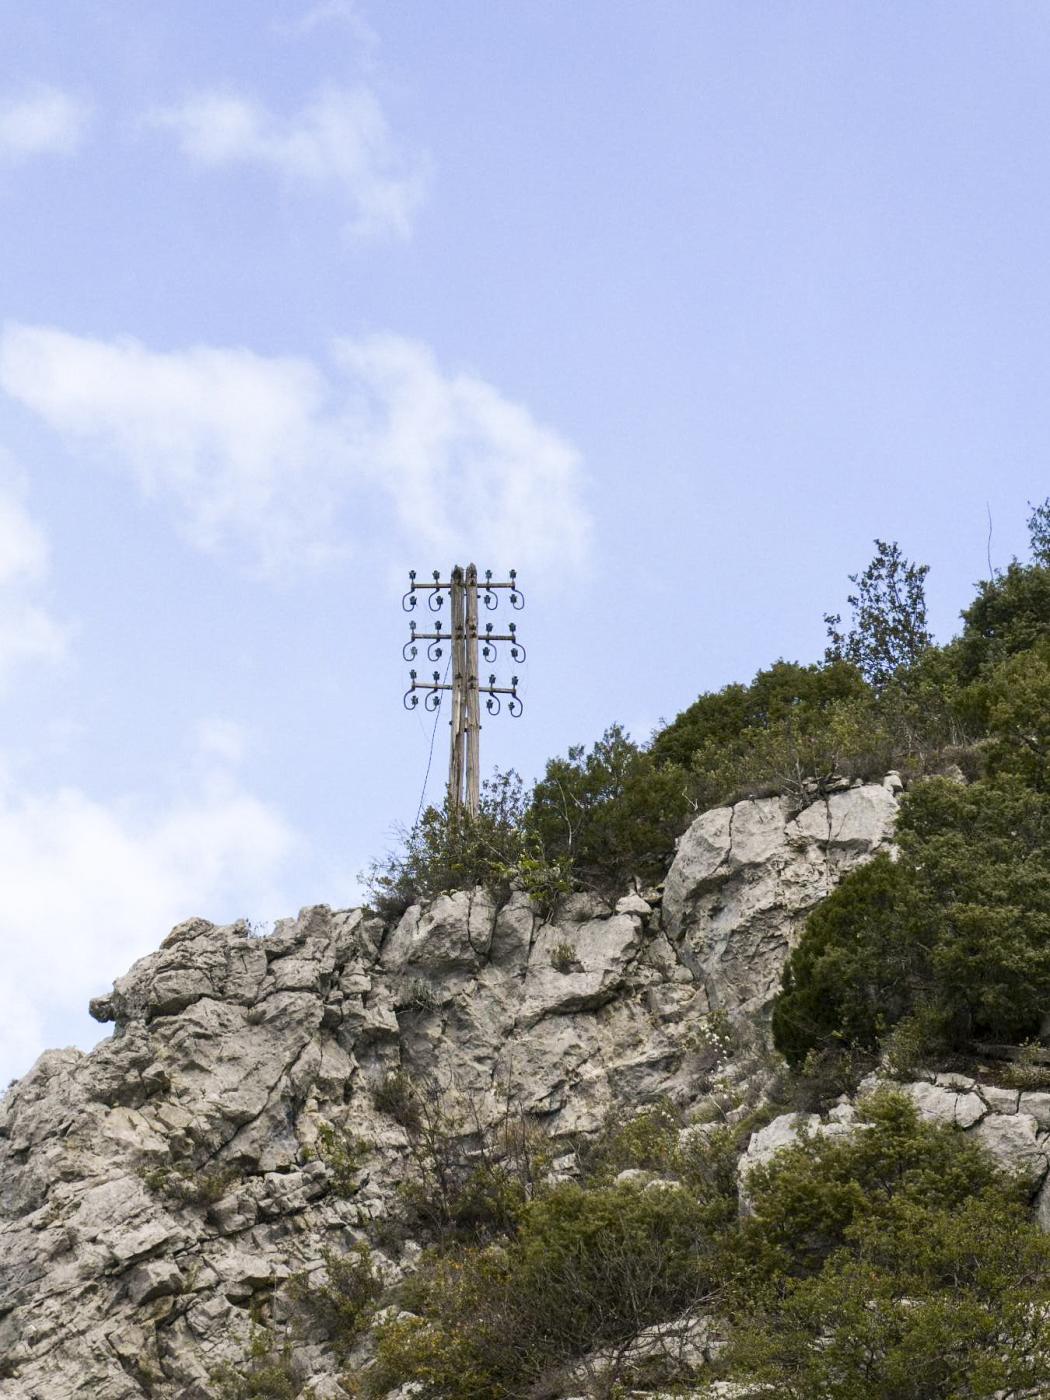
<point x="430" y="756"/>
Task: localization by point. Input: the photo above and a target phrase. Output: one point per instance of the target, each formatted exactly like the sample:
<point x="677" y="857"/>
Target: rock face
<point x="155" y="1191"/>
<point x="745" y="877"/>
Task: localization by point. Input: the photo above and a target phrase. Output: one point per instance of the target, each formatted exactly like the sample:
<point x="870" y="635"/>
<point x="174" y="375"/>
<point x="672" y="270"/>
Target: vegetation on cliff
<point x="895" y="1262"/>
<point x="884" y="696"/>
<point x="949" y="947"/>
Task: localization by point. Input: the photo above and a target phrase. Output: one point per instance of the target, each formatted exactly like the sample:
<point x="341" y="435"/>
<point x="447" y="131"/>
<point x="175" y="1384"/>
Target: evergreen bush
<point x="957" y="932"/>
<point x="894" y="1264"/>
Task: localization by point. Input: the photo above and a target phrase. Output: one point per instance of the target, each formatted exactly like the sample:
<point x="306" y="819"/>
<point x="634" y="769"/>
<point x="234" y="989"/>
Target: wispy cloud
<point x="28" y="632"/>
<point x="288" y="461"/>
<point x="221" y="741"/>
<point x="42" y="121"/>
<point x="340" y="140"/>
<point x="342" y="12"/>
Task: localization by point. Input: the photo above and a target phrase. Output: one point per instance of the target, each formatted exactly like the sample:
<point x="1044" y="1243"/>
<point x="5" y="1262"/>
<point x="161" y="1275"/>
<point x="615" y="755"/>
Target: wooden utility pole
<point x="472" y="723"/>
<point x="464" y="641"/>
<point x="456" y="765"/>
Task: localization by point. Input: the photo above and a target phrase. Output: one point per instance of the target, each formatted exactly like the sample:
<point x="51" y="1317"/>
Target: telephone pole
<point x="463" y="641"/>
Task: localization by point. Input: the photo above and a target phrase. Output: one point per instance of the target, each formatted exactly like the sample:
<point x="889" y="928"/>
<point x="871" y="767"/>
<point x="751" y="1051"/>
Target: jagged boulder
<point x="745" y="877"/>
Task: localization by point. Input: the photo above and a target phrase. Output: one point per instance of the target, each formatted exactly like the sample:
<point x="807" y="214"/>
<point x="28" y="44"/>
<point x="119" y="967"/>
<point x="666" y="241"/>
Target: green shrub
<point x="341" y="1304"/>
<point x="1017" y="700"/>
<point x="1039" y="531"/>
<point x="957" y="933"/>
<point x="1028" y="1069"/>
<point x="796" y="729"/>
<point x="265" y="1373"/>
<point x="819" y="1081"/>
<point x="851" y="976"/>
<point x="449" y="849"/>
<point x="189" y="1185"/>
<point x="896" y="1264"/>
<point x="587" y="1270"/>
<point x="942" y="1303"/>
<point x="468" y="1177"/>
<point x="805" y="1202"/>
<point x="420" y="996"/>
<point x="610" y="813"/>
<point x="922" y="711"/>
<point x="563" y="955"/>
<point x="783" y="691"/>
<point x="889" y="1262"/>
<point x="1010" y="614"/>
<point x="800" y="756"/>
<point x="648" y="1140"/>
<point x="616" y="810"/>
<point x="455" y="1342"/>
<point x="344" y="1156"/>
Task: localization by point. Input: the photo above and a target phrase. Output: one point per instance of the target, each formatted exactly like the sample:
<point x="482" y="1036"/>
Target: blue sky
<point x="672" y="306"/>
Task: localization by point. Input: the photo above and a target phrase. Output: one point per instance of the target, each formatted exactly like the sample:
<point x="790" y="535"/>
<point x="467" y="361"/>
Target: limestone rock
<point x="157" y="1193"/>
<point x="1012" y="1140"/>
<point x="940" y="1104"/>
<point x="156" y="1279"/>
<point x="783" y="1132"/>
<point x="786" y="1131"/>
<point x="745" y="877"/>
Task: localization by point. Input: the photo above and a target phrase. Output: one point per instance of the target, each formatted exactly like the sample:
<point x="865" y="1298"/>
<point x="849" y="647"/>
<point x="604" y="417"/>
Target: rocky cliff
<point x="157" y="1192"/>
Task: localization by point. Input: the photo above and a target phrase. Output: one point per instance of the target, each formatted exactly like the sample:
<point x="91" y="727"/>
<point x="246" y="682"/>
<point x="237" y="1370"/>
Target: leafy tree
<point x="888" y="629"/>
<point x="794" y="727"/>
<point x="1010" y="614"/>
<point x="1017" y="699"/>
<point x="923" y="710"/>
<point x="853" y="974"/>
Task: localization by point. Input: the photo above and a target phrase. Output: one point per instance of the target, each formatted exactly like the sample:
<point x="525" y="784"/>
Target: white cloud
<point x="28" y="632"/>
<point x="221" y="741"/>
<point x="343" y="12"/>
<point x="45" y="121"/>
<point x="230" y="437"/>
<point x="88" y="887"/>
<point x="340" y="139"/>
<point x="467" y="470"/>
<point x="280" y="458"/>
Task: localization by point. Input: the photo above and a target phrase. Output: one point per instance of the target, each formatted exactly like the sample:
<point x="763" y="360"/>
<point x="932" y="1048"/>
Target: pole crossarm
<point x="464" y="640"/>
<point x="438" y="586"/>
<point x="438" y="639"/>
<point x="410" y="699"/>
